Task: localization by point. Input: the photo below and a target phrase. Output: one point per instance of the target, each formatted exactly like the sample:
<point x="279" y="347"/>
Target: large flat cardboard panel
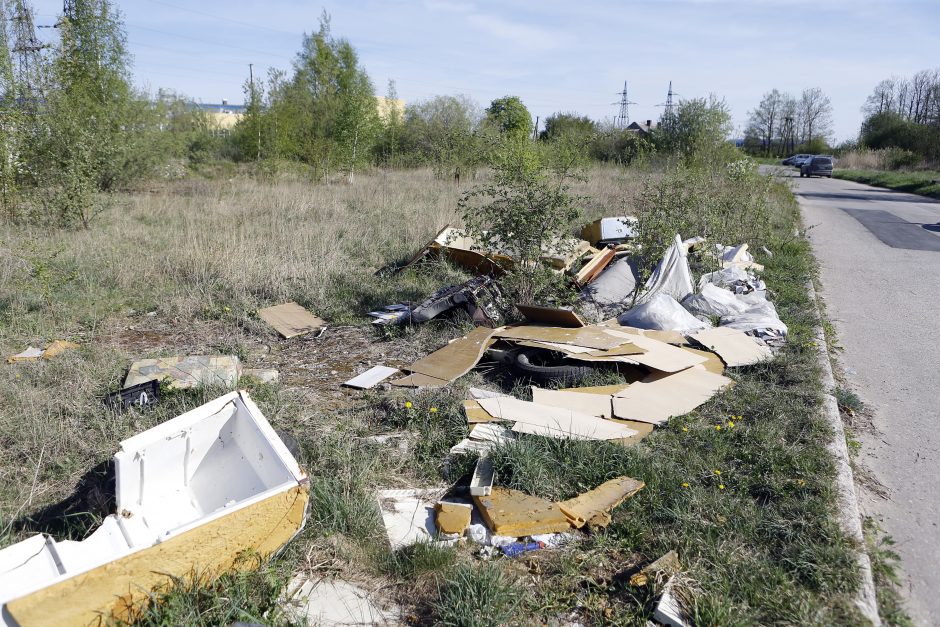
<point x="662" y="356"/>
<point x="609" y="390"/>
<point x="675" y="395"/>
<point x="589" y="337"/>
<point x="553" y="421"/>
<point x="712" y="361"/>
<point x="667" y="336"/>
<point x="418" y="380"/>
<point x="476" y="414"/>
<point x="735" y="347"/>
<point x="457" y="358"/>
<point x="642" y="429"/>
<point x="551" y="316"/>
<point x="592" y="404"/>
<point x="290" y="319"/>
<point x="120" y="588"/>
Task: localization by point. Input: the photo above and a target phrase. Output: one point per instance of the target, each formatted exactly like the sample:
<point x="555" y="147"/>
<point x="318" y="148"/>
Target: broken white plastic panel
<point x="198" y="467"/>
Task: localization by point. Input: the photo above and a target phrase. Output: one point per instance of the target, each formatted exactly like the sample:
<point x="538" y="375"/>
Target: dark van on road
<point x="820" y="165"/>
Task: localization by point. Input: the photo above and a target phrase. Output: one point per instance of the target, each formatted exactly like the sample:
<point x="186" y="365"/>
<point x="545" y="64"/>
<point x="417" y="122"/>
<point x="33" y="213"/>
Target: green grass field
<point x="925" y="183"/>
<point x="182" y="268"/>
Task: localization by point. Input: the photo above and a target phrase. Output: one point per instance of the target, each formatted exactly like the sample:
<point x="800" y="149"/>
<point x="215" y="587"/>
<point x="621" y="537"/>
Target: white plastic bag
<point x="662" y="313"/>
<point x="714" y="301"/>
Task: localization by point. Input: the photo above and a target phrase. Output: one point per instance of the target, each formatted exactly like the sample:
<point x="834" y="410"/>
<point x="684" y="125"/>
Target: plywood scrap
<point x="553" y="421"/>
<point x="184" y="372"/>
<point x="588" y="337"/>
<point x="454" y="360"/>
<point x="552" y="316"/>
<point x="514" y="513"/>
<point x="593" y="507"/>
<point x="735" y="348"/>
<point x="290" y="319"/>
<point x="408" y="515"/>
<point x="593" y="404"/>
<point x="657" y="401"/>
<point x="371" y="377"/>
<point x="452" y="517"/>
<point x="481" y="484"/>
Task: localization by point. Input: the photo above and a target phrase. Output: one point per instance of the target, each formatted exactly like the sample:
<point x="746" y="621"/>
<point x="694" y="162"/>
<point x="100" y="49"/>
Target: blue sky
<point x="557" y="56"/>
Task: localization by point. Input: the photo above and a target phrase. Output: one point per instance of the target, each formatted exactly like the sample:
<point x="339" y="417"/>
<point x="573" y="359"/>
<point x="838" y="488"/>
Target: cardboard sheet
<point x="592" y="404"/>
<point x="551" y="316"/>
<point x="735" y="347"/>
<point x="554" y="421"/>
<point x="476" y="414"/>
<point x="290" y="319"/>
<point x="370" y="378"/>
<point x="588" y="337"/>
<point x="669" y="337"/>
<point x="712" y="361"/>
<point x="609" y="390"/>
<point x="418" y="380"/>
<point x="662" y="356"/>
<point x="657" y="401"/>
<point x="457" y="358"/>
<point x="642" y="429"/>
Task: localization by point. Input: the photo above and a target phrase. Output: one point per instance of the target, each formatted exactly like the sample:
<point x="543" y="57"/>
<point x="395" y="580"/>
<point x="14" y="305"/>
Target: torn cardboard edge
<point x="450" y="362"/>
<point x="290" y="319"/>
<point x="735" y="347"/>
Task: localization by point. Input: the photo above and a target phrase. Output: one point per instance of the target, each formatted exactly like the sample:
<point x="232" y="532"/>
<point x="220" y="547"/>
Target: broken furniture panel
<point x="514" y="513"/>
<point x="194" y="494"/>
<point x="481" y="484"/>
<point x="593" y="507"/>
<point x="290" y="319"/>
<point x="609" y="230"/>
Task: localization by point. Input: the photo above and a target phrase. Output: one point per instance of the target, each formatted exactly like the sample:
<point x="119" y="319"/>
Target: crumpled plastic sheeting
<point x="756" y="318"/>
<point x="735" y="279"/>
<point x="672" y="276"/>
<point x="714" y="301"/>
<point x="609" y="293"/>
<point x="663" y="313"/>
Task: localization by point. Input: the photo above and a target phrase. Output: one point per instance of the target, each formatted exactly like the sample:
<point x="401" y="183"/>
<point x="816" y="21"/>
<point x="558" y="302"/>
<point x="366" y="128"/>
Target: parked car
<point x="820" y="165"/>
<point x="795" y="159"/>
<point x="801" y="160"/>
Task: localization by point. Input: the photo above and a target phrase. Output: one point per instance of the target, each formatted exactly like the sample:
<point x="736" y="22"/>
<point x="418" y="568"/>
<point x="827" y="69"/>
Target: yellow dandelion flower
<point x="685" y="429"/>
<point x="717" y="427"/>
<point x="408" y="404"/>
<point x="731" y="424"/>
<point x="685" y="485"/>
<point x="721" y="486"/>
<point x="433" y="410"/>
<point x="717" y="472"/>
<point x="801" y="482"/>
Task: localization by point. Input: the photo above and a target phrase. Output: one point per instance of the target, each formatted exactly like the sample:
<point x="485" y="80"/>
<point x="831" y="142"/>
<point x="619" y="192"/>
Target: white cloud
<point x="523" y="35"/>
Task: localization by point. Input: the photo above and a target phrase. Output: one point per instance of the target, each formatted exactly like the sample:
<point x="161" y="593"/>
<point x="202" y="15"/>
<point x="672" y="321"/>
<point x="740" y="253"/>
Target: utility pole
<point x="623" y="118"/>
<point x="787" y="134"/>
<point x="251" y="81"/>
<point x="535" y="131"/>
<point x="26" y="47"/>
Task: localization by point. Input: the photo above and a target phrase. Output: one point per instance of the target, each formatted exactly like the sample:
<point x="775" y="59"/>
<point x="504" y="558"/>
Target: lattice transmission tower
<point x="623" y="117"/>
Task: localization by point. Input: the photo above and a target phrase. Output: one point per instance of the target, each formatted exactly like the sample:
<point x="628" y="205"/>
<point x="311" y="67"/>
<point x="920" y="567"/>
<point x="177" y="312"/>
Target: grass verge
<point x="925" y="183"/>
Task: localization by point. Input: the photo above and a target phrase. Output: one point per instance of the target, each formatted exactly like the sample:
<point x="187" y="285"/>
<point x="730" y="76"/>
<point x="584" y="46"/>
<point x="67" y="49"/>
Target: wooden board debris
<point x="371" y="377"/>
<point x="290" y="319"/>
<point x="675" y="395"/>
<point x="594" y="267"/>
<point x="514" y="513"/>
<point x="552" y="316"/>
<point x="736" y="348"/>
<point x="593" y="507"/>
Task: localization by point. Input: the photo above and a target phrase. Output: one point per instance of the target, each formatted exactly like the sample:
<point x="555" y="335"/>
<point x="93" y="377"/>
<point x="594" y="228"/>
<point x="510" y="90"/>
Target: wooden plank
<point x="675" y="395"/>
<point x="594" y="267"/>
<point x="290" y="319"/>
<point x="552" y="316"/>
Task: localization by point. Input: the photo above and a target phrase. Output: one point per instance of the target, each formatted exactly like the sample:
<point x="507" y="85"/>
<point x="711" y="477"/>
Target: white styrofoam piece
<point x="483" y="476"/>
<point x="186" y="472"/>
<point x="478" y="393"/>
<point x="370" y="378"/>
<point x="333" y="602"/>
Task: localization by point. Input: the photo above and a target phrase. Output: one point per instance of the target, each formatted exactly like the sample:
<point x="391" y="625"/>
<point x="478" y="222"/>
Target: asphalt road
<point x="879" y="253"/>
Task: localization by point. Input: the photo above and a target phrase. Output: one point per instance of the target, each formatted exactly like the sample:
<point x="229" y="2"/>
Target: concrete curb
<point x="849" y="516"/>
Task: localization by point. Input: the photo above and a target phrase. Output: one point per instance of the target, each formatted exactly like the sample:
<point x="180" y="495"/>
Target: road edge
<point x="849" y="513"/>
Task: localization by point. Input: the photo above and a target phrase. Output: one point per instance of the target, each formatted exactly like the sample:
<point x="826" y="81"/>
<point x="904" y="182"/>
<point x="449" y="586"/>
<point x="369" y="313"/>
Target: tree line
<point x="783" y="124"/>
<point x="904" y="114"/>
<point x="73" y="129"/>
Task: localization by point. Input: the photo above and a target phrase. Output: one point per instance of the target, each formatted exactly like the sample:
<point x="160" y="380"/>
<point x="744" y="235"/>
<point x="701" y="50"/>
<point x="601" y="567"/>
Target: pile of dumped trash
<point x="217" y="481"/>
